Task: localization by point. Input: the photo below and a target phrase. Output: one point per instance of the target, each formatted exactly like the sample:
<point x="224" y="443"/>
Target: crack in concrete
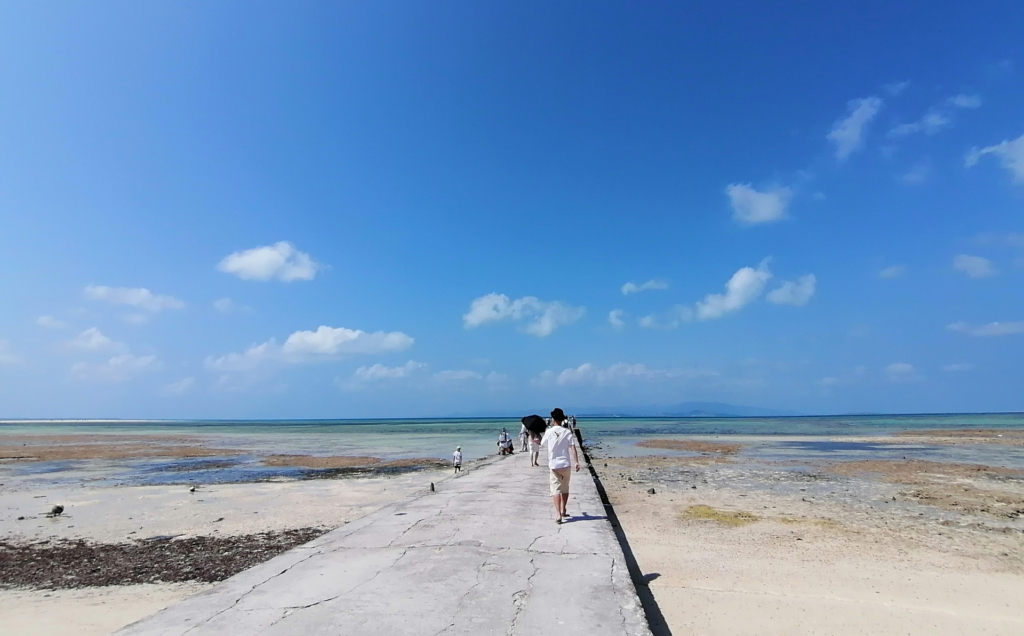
<point x="622" y="615"/>
<point x="462" y="599"/>
<point x="249" y="591"/>
<point x="419" y="521"/>
<point x="290" y="609"/>
<point x="519" y="599"/>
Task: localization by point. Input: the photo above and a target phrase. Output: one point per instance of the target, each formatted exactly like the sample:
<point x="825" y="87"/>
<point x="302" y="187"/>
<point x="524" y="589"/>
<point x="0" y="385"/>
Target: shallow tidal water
<point x="246" y="443"/>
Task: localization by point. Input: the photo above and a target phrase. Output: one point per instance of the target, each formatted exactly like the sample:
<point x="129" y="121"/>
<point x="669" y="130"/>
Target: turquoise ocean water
<point x="771" y="438"/>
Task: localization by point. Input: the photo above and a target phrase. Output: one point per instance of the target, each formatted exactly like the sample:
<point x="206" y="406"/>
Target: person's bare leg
<point x="565" y="502"/>
<point x="556" y="499"/>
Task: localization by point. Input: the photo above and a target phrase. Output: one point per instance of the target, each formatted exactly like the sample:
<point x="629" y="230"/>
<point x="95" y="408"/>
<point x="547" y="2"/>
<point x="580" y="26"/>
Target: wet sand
<point x="734" y="545"/>
<point x="118" y="553"/>
<point x="35" y="448"/>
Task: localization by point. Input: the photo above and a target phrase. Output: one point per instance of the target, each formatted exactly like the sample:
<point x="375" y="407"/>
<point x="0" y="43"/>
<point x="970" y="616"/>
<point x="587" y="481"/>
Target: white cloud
<point x="901" y="372"/>
<point x="248" y="360"/>
<point x="896" y="88"/>
<point x="932" y="122"/>
<point x="893" y="271"/>
<point x="117" y="369"/>
<point x="937" y="117"/>
<point x="180" y="387"/>
<point x="668" y="320"/>
<point x="753" y="207"/>
<point x="136" y="297"/>
<point x="615" y="318"/>
<point x="632" y="288"/>
<point x="991" y="329"/>
<point x="51" y="323"/>
<point x="616" y="374"/>
<point x="6" y="357"/>
<point x="381" y="372"/>
<point x="994" y="238"/>
<point x="848" y="134"/>
<point x="1009" y="153"/>
<point x="546" y="316"/>
<point x="918" y="174"/>
<point x="791" y="293"/>
<point x="744" y="286"/>
<point x="331" y="341"/>
<point x="280" y="261"/>
<point x="136" y="319"/>
<point x="965" y="101"/>
<point x="92" y="339"/>
<point x="228" y="306"/>
<point x="309" y="346"/>
<point x="952" y="368"/>
<point x="457" y="375"/>
<point x="974" y="266"/>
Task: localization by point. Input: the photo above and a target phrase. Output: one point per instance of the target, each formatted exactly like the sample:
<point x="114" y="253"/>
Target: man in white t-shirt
<point x="561" y="445"/>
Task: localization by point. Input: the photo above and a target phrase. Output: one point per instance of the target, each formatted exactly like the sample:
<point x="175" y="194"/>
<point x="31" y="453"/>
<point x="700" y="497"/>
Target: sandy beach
<point x="919" y="532"/>
<point x="57" y="568"/>
<point x="734" y="546"/>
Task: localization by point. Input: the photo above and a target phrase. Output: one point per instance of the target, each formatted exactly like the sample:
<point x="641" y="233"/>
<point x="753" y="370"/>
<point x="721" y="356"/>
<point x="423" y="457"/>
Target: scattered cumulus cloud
<point x="616" y="374"/>
<point x="381" y="372"/>
<point x="744" y="287"/>
<point x="848" y="134"/>
<point x="896" y="88"/>
<point x="633" y="288"/>
<point x="180" y="387"/>
<point x="893" y="271"/>
<point x="937" y="117"/>
<point x="92" y="339"/>
<point x="417" y="375"/>
<point x="331" y="341"/>
<point x="228" y="306"/>
<point x="918" y="174"/>
<point x="280" y="261"/>
<point x="117" y="369"/>
<point x="457" y="375"/>
<point x="6" y="356"/>
<point x="953" y="368"/>
<point x="669" y="320"/>
<point x="991" y="329"/>
<point x="51" y="323"/>
<point x="974" y="266"/>
<point x="794" y="293"/>
<point x="754" y="207"/>
<point x="616" y="318"/>
<point x="544" y="317"/>
<point x="931" y="123"/>
<point x="901" y="372"/>
<point x="965" y="101"/>
<point x="309" y="346"/>
<point x="1010" y="154"/>
<point x="994" y="238"/>
<point x="248" y="360"/>
<point x="135" y="297"/>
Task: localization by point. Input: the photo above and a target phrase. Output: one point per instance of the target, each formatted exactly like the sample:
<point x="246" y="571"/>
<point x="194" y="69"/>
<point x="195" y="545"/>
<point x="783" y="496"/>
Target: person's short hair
<point x="558" y="415"/>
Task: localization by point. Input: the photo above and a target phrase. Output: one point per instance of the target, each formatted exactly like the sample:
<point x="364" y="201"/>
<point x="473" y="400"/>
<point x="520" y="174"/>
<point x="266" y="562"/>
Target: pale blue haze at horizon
<point x="428" y="156"/>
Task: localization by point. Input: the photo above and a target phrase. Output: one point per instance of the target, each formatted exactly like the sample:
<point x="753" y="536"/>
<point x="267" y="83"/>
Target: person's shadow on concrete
<point x="584" y="517"/>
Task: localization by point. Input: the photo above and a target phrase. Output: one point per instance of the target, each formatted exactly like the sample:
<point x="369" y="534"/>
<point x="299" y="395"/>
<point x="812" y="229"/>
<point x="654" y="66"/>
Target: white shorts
<point x="560" y="481"/>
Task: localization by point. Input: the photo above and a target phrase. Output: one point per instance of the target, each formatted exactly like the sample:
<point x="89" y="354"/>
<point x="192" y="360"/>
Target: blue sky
<point x="240" y="209"/>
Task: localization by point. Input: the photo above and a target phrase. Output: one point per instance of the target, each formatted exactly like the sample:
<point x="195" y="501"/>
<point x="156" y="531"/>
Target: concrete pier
<point x="480" y="555"/>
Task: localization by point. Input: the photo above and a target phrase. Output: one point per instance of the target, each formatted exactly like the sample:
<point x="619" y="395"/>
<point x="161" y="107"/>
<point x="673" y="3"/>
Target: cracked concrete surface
<point x="481" y="555"/>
